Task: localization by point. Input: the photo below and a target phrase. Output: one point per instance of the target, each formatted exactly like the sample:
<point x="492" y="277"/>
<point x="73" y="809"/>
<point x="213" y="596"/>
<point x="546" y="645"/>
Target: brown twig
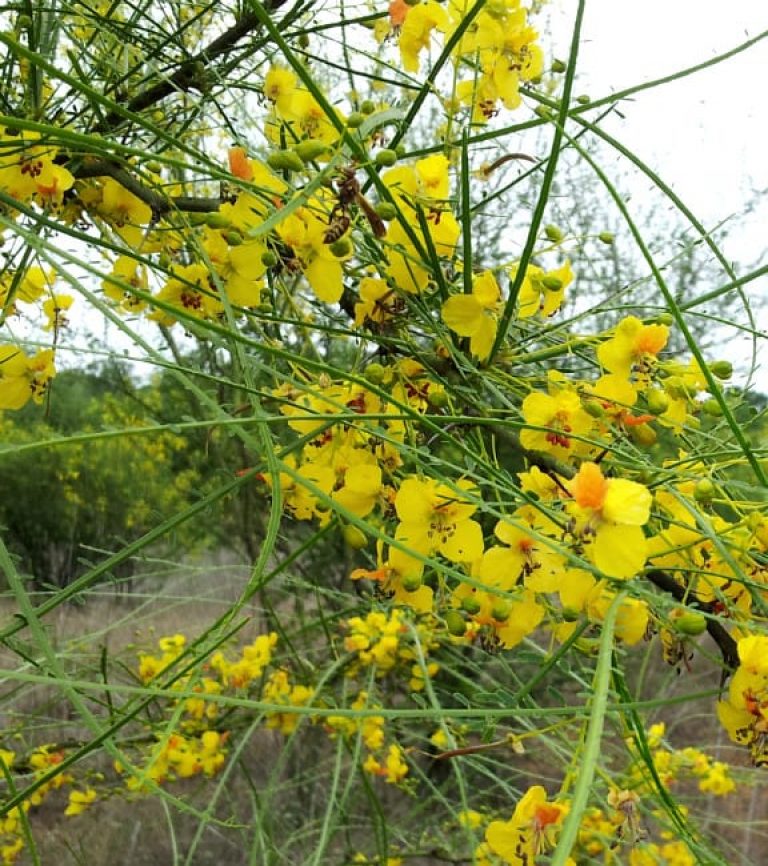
<point x="188" y="73"/>
<point x="160" y="204"/>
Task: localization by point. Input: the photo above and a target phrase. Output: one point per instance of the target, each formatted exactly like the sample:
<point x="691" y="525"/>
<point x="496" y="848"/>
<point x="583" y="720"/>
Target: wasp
<point x="348" y="193"/>
<point x="337" y="227"/>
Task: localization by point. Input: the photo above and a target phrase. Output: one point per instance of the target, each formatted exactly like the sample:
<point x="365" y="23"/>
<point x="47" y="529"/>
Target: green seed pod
<point x="712" y="407"/>
<point x="367" y="106"/>
<point x="470" y="604"/>
<point x="154" y="167"/>
<point x="553" y="233"/>
<point x="722" y="369"/>
<point x="606" y="237"/>
<point x="285" y="160"/>
<point x="217" y="221"/>
<point x="355" y="119"/>
<point x="411" y="582"/>
<point x="583" y="99"/>
<point x="386" y="210"/>
<point x="341" y="247"/>
<point x="269" y="259"/>
<point x="688" y="622"/>
<point x="455" y="624"/>
<point x="354" y="537"/>
<point x="233" y="238"/>
<point x="658" y="402"/>
<point x="543" y="111"/>
<point x="558" y="67"/>
<point x="400" y="151"/>
<point x="386" y="157"/>
<point x="665" y="319"/>
<point x="303" y="40"/>
<point x="310" y="149"/>
<point x="570" y="614"/>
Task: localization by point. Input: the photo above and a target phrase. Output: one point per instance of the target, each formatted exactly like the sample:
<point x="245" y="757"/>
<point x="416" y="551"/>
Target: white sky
<point x="705" y="134"/>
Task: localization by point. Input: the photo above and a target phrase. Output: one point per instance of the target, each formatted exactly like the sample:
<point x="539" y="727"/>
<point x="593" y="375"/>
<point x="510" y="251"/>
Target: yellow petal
<point x="619" y="551"/>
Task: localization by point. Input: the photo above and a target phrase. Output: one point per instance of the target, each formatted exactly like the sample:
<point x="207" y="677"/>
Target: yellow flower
<point x="362" y="485"/>
<point x="609" y="514"/>
<point x="563" y="420"/>
<point x="474" y="315"/>
<point x="22" y="377"/>
<point x="416" y="31"/>
<point x="79" y="801"/>
<point x="633" y="347"/>
<point x="304" y="232"/>
<point x="127" y="274"/>
<point x="279" y="87"/>
<point x="542" y="291"/>
<point x="528" y="832"/>
<point x="55" y="308"/>
<point x="435" y="517"/>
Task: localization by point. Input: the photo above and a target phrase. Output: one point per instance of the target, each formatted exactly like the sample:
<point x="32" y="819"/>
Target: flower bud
<point x="594" y="409"/>
<point x="553" y="233"/>
<point x="501" y="610"/>
<point x="340" y="248"/>
<point x="310" y="149"/>
<point x="217" y="220"/>
<point x="355" y="119"/>
<point x="437" y="398"/>
<point x="470" y="604"/>
<point x="643" y="435"/>
<point x="411" y="582"/>
<point x="552" y="284"/>
<point x="285" y="160"/>
<point x="354" y="537"/>
<point x="455" y="624"/>
<point x="386" y="210"/>
<point x="368" y="106"/>
<point x="233" y="238"/>
<point x="375" y="373"/>
<point x="269" y="259"/>
<point x="558" y="67"/>
<point x="606" y="238"/>
<point x="687" y="621"/>
<point x="722" y="369"/>
<point x="386" y="157"/>
<point x="712" y="407"/>
<point x="658" y="402"/>
<point x="704" y="491"/>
